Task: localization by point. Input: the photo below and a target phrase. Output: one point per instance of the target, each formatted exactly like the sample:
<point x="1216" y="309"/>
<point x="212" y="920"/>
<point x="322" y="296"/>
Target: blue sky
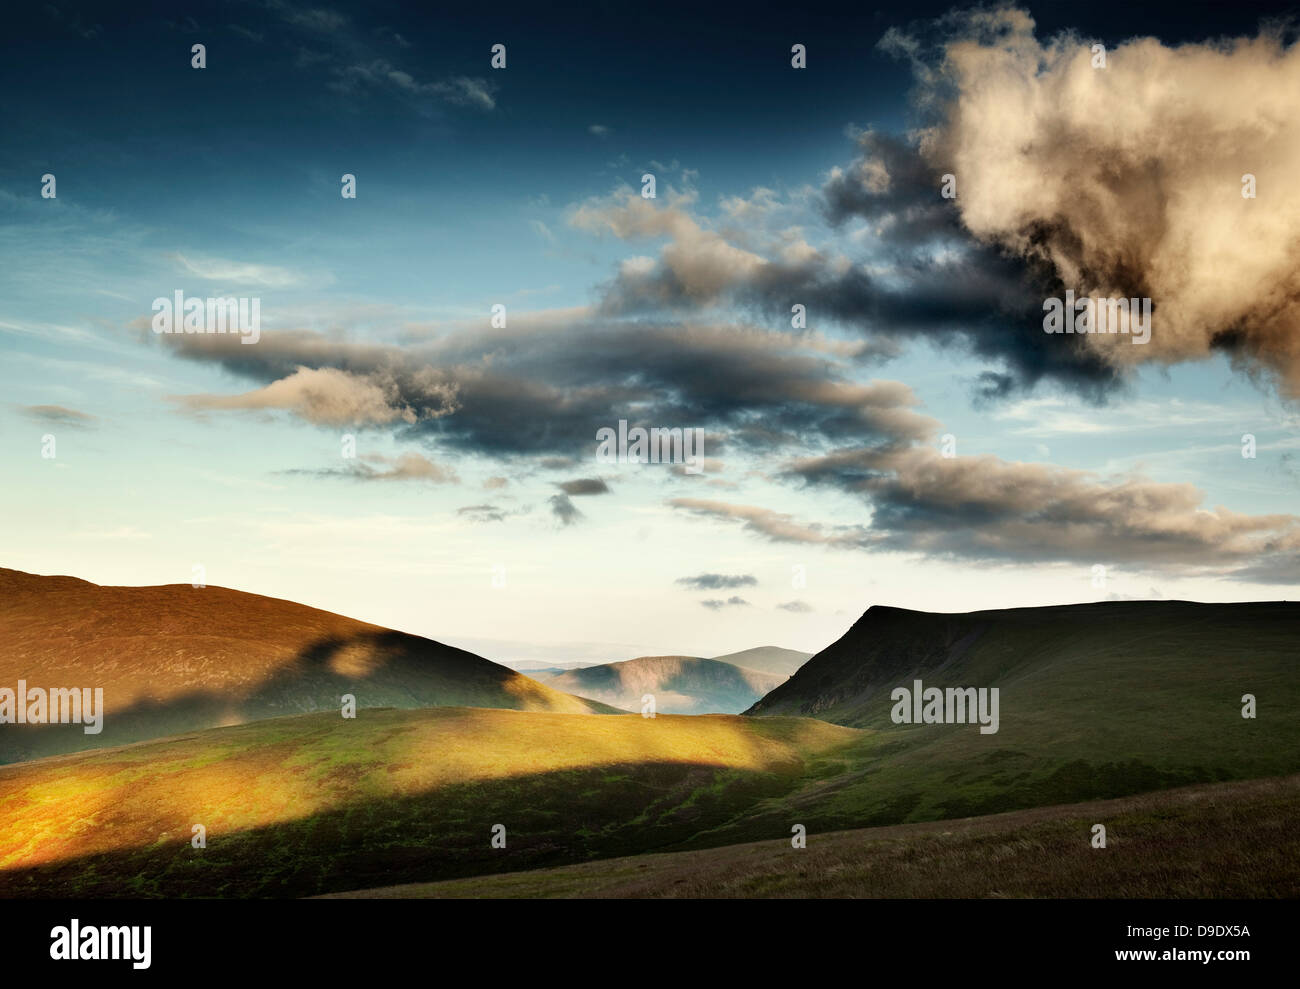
<point x="521" y="187"/>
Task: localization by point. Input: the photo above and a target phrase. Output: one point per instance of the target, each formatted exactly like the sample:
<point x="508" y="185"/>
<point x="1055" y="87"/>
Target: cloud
<point x="483" y="513"/>
<point x="798" y="607"/>
<point x="584" y="486"/>
<point x="716" y="604"/>
<point x="564" y="510"/>
<point x="600" y="130"/>
<point x="60" y="415"/>
<point x="1126" y="181"/>
<point x="240" y="273"/>
<point x="406" y="467"/>
<point x="316" y="19"/>
<point x="922" y="275"/>
<point x="985" y="508"/>
<point x="75" y="24"/>
<point x="467" y="91"/>
<point x="776" y="526"/>
<point x="381" y="75"/>
<point x="493" y="483"/>
<point x="717" y="581"/>
<point x="542" y="231"/>
<point x="520" y="391"/>
<point x="1146" y="205"/>
<point x="253" y="36"/>
<point x="557" y="463"/>
<point x="330" y="397"/>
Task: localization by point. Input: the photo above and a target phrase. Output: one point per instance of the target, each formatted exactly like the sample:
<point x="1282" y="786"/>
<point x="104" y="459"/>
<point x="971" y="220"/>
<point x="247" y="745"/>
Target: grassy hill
<point x="1219" y="840"/>
<point x="316" y="803"/>
<point x="1097" y="700"/>
<point x="174" y="658"/>
<point x="680" y="684"/>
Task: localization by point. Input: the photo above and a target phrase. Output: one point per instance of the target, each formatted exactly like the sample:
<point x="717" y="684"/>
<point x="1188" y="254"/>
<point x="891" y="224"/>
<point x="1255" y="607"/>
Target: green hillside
<point x="315" y="803"/>
<point x="1097" y="700"/>
<point x="1216" y="840"/>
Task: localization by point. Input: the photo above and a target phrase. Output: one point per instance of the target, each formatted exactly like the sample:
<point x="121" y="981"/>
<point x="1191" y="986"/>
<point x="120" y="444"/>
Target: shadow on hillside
<point x="381" y="669"/>
<point x="441" y="833"/>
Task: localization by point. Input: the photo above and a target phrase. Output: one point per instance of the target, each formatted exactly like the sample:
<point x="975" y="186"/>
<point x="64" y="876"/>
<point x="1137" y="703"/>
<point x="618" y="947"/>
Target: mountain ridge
<point x="173" y="658"/>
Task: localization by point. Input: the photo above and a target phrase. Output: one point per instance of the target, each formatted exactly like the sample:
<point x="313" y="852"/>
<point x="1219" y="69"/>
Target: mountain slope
<point x="1096" y="701"/>
<point x="313" y="803"/>
<point x="174" y="658"/>
<point x="1131" y="647"/>
<point x="1183" y="843"/>
<point x="680" y="684"/>
<point x="767" y="659"/>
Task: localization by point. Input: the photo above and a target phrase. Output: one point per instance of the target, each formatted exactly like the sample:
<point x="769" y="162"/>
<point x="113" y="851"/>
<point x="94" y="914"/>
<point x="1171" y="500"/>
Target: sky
<point x="918" y="441"/>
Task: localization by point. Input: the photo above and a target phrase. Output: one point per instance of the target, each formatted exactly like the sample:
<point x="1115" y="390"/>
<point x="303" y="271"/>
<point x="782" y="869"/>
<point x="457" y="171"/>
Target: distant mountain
<point x="680" y="684"/>
<point x="535" y="666"/>
<point x="767" y="659"/>
<point x="175" y="659"/>
<point x="543" y="673"/>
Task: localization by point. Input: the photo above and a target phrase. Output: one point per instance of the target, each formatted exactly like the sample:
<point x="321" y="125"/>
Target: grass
<point x="315" y="803"/>
<point x="1097" y="703"/>
<point x="1226" y="840"/>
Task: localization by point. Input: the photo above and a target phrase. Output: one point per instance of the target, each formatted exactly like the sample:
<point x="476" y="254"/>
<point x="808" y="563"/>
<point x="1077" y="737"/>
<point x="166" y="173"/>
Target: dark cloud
<point x="716" y="604"/>
<point x="482" y="513"/>
<point x="798" y="607"/>
<point x="985" y="508"/>
<point x="521" y="392"/>
<point x="584" y="486"/>
<point x="921" y="275"/>
<point x="717" y="581"/>
<point x="564" y="510"/>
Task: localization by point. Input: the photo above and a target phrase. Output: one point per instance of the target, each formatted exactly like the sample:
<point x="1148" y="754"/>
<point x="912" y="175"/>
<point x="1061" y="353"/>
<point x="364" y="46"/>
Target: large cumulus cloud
<point x="1127" y="180"/>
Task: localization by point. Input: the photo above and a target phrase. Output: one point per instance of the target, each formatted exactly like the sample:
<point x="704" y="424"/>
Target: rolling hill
<point x="680" y="684"/>
<point x="1183" y="843"/>
<point x="174" y="659"/>
<point x="1096" y="701"/>
<point x="315" y="803"/>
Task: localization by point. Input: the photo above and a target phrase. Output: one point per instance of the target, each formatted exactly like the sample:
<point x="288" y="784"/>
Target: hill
<point x="1183" y="843"/>
<point x="1096" y="701"/>
<point x="680" y="684"/>
<point x="315" y="803"/>
<point x="767" y="659"/>
<point x="174" y="658"/>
